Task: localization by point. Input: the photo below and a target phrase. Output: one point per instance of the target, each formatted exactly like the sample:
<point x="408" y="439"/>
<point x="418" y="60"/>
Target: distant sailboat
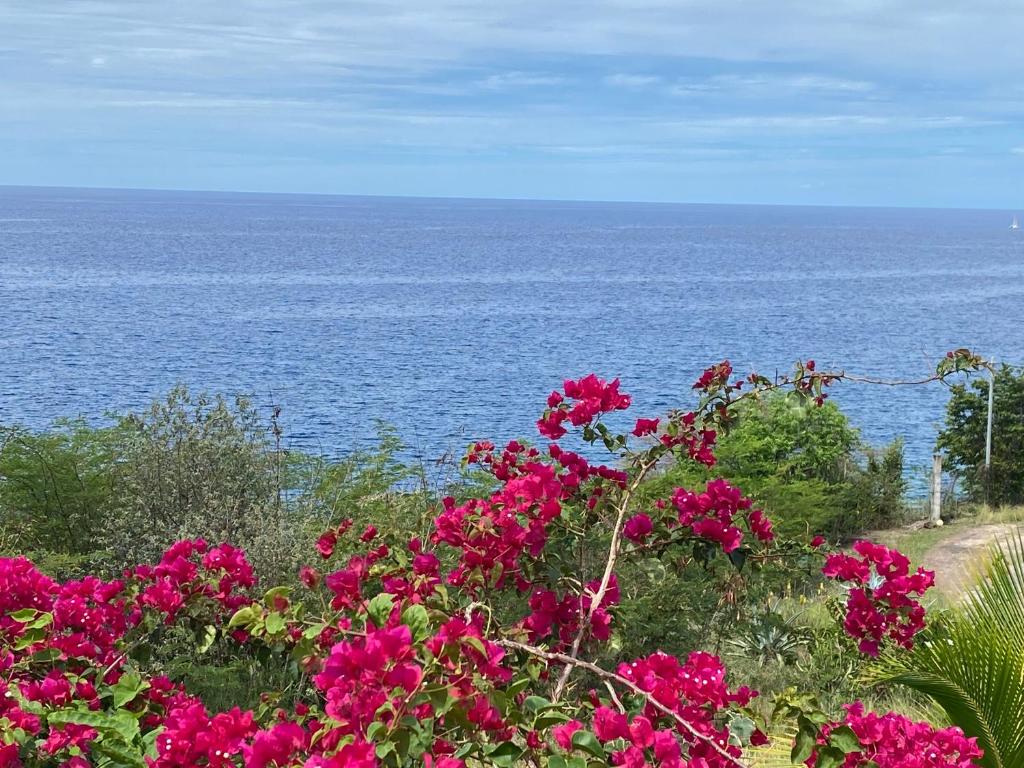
<point x="1014" y="224"/>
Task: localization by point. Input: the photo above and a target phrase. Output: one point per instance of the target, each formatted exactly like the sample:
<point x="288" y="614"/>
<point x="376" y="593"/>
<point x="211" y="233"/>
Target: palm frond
<point x="776" y="753"/>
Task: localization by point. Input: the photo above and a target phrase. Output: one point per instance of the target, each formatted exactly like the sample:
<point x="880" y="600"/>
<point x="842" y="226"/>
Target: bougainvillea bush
<point x="474" y="646"/>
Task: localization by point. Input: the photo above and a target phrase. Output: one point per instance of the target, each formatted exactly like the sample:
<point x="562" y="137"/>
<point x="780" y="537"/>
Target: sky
<point x="838" y="102"/>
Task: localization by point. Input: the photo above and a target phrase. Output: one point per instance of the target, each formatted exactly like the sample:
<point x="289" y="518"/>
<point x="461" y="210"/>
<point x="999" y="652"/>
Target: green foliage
<point x="971" y="660"/>
<point x="195" y="466"/>
<point x="369" y="487"/>
<point x="671" y="607"/>
<point x="806" y="466"/>
<point x="963" y="438"/>
<point x="876" y="488"/>
<point x="56" y="488"/>
<point x="82" y="499"/>
<point x="783" y="437"/>
<point x="770" y="638"/>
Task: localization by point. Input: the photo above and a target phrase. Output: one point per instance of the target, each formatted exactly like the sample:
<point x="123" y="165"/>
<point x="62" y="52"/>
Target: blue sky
<point x="790" y="101"/>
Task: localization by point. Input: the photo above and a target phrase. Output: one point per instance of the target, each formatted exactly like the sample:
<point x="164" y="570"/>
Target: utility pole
<point x="988" y="428"/>
<point x="935" y="518"/>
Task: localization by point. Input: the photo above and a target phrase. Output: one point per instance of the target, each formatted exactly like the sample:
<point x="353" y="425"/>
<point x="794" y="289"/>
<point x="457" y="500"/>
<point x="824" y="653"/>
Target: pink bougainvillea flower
<point x="638" y="528"/>
<point x="886" y="609"/>
<point x="645" y="427"/>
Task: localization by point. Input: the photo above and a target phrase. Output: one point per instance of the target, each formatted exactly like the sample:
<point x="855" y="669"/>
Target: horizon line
<point x="583" y="201"/>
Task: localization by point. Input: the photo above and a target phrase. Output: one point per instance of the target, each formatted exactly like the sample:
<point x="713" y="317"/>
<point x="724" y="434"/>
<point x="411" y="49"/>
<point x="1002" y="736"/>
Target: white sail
<point x="1015" y="224"/>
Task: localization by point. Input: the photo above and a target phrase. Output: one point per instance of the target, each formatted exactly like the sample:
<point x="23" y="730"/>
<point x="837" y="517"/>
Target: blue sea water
<point x="453" y="319"/>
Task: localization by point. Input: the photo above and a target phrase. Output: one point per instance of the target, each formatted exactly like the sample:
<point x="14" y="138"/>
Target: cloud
<point x="402" y="82"/>
<point x="520" y="80"/>
<point x="622" y="80"/>
<point x="831" y="123"/>
<point x="945" y="36"/>
<point x="772" y="85"/>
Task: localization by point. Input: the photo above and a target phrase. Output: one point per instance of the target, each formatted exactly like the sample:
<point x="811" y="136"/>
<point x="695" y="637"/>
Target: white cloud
<point x="949" y="37"/>
<point x="622" y="80"/>
<point x="520" y="80"/>
<point x="772" y="85"/>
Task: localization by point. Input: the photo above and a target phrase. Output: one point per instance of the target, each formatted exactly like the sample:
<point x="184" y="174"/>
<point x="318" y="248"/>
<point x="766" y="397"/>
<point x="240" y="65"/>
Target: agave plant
<point x="770" y="638"/>
<point x="971" y="659"/>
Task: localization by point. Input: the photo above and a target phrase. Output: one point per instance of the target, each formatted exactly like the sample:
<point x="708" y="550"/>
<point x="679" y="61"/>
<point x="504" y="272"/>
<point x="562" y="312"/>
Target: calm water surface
<point x="452" y="319"/>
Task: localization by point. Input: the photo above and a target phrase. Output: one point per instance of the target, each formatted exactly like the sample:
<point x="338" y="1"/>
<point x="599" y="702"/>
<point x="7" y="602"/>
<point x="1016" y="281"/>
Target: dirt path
<point x="955" y="559"/>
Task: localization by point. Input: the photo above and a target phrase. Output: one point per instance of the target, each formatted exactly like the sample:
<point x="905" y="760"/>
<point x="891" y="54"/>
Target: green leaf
<point x="843" y="738"/>
<point x="379" y="609"/>
<point x="465" y="749"/>
<point x="738" y="557"/>
<point x="374" y="729"/>
<point x="127" y="688"/>
<point x="547" y="719"/>
<point x="536" y="704"/>
<point x="120" y="724"/>
<point x="505" y="755"/>
<point x="118" y="756"/>
<point x="587" y="742"/>
<point x="243" y="617"/>
<point x="518" y="686"/>
<point x="475" y="643"/>
<point x="314" y="630"/>
<point x="417" y="619"/>
<point x="205" y="638"/>
<point x="42" y="621"/>
<point x="29" y="637"/>
<point x="806" y="740"/>
<point x="830" y="757"/>
<point x="440" y="699"/>
<point x="24" y="616"/>
<point x="275" y="623"/>
<point x="46" y="655"/>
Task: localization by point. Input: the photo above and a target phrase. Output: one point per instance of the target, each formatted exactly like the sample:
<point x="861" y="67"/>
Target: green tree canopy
<point x="963" y="439"/>
<point x="807" y="466"/>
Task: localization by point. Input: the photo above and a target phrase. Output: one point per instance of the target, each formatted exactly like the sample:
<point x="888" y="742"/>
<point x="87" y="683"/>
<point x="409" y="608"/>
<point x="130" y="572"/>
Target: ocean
<point x="452" y="319"/>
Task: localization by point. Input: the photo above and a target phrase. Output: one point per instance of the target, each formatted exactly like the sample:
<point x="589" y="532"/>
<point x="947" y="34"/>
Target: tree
<point x="963" y="439"/>
<point x="807" y="465"/>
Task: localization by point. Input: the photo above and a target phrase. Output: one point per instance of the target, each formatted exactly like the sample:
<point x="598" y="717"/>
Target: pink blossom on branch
<point x="880" y="605"/>
<point x="894" y="741"/>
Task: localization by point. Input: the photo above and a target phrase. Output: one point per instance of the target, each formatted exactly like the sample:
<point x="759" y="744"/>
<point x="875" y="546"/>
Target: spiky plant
<point x="970" y="661"/>
<point x="770" y="639"/>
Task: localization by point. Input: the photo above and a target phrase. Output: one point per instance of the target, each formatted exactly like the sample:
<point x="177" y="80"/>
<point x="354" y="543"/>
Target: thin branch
<point x="609" y="569"/>
<point x="614" y="696"/>
<point x="611" y="677"/>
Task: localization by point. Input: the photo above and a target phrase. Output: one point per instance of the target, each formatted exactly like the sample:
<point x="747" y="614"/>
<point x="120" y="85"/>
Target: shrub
<point x="807" y="466"/>
<point x="192" y="467"/>
<point x="963" y="438"/>
<point x="57" y="488"/>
